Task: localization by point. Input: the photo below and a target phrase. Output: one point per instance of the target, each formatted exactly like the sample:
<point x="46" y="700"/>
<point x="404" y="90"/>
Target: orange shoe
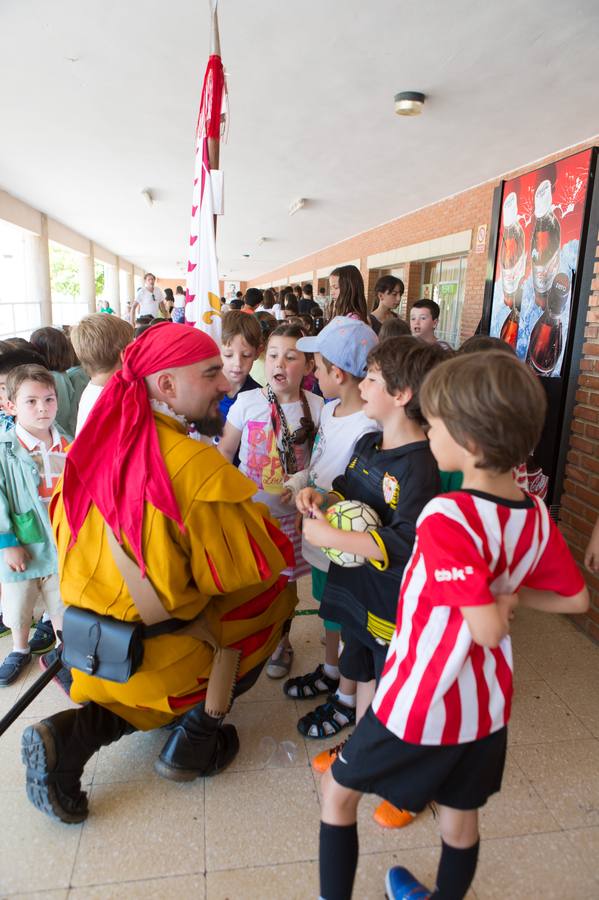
<point x="323" y="761"/>
<point x="388" y="816"/>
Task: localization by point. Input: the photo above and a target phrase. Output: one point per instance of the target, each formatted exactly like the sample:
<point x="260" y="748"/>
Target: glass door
<point x="444" y="281"/>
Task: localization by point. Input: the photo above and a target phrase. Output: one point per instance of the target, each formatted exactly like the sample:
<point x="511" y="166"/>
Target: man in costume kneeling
<point x="210" y="557"/>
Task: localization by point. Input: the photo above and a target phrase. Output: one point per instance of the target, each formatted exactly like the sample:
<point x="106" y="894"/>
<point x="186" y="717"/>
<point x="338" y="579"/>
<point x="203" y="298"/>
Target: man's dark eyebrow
<point x="215" y="368"/>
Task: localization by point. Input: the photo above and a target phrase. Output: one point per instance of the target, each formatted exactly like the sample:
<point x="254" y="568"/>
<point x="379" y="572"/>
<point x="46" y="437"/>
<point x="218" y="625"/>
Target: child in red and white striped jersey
<point x="437" y="728"/>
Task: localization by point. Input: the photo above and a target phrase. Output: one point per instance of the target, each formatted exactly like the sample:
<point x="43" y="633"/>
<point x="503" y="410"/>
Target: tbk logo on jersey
<point x="453" y="574"/>
<point x="390" y="490"/>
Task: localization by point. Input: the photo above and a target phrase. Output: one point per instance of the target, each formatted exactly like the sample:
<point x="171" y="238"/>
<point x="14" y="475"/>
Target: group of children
<point x="417" y="654"/>
<point x="427" y="681"/>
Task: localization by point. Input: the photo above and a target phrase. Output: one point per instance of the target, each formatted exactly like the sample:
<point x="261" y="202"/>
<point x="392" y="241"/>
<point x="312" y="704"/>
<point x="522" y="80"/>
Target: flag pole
<point x="203" y="308"/>
<point x="214" y="142"/>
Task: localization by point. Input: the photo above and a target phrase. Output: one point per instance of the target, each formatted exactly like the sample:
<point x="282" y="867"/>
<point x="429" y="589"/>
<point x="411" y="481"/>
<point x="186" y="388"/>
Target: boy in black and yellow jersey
<point x="395" y="473"/>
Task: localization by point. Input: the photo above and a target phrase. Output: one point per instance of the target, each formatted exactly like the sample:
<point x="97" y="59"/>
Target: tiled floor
<point x="252" y="832"/>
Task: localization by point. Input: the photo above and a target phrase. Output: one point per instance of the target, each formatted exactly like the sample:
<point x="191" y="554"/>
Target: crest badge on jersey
<point x="390" y="490"/>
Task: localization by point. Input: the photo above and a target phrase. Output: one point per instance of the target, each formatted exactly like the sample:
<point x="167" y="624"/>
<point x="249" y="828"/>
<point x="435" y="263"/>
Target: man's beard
<point x="210" y="426"/>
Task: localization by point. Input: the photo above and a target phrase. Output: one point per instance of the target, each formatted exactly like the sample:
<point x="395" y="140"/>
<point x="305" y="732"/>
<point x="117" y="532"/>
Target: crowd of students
<point x="332" y="401"/>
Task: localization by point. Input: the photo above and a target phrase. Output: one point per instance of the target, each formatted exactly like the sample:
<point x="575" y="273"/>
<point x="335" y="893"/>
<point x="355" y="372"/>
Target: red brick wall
<point x="466" y="210"/>
<point x="580" y="500"/>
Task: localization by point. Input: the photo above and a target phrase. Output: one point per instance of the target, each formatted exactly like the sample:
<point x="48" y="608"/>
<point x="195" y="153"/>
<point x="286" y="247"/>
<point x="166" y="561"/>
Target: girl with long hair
<point x="388" y="292"/>
<point x="346" y="287"/>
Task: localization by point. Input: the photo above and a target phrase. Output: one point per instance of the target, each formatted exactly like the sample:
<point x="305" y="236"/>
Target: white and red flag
<point x="202" y="307"/>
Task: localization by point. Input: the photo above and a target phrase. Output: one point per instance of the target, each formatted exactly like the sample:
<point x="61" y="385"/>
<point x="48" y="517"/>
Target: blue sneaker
<point x="400" y="884"/>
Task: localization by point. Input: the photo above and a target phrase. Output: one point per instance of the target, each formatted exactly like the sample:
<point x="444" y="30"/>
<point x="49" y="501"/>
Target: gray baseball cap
<point x="345" y="342"/>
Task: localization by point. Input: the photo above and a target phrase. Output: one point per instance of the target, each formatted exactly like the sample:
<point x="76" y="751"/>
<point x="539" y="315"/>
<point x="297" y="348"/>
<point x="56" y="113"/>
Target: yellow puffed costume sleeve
<point x="237" y="554"/>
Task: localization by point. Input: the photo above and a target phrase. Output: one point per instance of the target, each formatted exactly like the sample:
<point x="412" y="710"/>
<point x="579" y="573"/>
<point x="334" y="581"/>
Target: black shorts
<point x="410" y="776"/>
<point x="360" y="661"/>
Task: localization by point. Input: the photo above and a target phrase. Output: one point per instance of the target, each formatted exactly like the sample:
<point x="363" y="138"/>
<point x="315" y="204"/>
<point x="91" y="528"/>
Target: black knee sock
<point x="338" y="860"/>
<point x="79" y="733"/>
<point x="456" y="871"/>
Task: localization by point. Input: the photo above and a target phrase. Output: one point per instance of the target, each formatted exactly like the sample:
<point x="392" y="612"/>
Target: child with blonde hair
<point x="98" y="341"/>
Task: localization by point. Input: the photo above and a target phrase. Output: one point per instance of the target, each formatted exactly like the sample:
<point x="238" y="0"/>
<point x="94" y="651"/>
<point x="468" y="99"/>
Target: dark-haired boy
<point x="424" y="317"/>
<point x="437" y="728"/>
<point x="251" y="300"/>
<point x="394" y="472"/>
<point x="28" y="560"/>
<point x="9" y="361"/>
<point x="306" y="301"/>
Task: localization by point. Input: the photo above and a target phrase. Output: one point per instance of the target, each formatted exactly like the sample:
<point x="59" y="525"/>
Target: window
<point x="65" y="285"/>
<point x="18" y="317"/>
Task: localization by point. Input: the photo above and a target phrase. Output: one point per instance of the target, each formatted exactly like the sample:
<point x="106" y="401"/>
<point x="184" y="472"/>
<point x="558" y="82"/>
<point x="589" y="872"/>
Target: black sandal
<point x="311" y="685"/>
<point x="327" y="719"/>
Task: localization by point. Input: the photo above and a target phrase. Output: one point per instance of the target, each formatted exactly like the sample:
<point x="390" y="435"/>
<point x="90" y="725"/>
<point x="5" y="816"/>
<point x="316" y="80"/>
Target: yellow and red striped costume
<point x="226" y="563"/>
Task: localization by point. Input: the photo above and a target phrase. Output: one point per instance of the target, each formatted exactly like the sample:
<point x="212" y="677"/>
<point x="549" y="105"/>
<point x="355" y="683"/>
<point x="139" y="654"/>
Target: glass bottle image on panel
<point x="546" y="340"/>
<point x="545" y="249"/>
<point x="513" y="265"/>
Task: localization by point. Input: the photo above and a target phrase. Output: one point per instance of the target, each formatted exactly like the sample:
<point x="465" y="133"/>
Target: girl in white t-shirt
<point x="273" y="428"/>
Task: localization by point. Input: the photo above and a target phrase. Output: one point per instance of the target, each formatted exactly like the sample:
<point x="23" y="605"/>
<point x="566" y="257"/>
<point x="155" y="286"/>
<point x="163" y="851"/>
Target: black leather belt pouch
<point x="101" y="646"/>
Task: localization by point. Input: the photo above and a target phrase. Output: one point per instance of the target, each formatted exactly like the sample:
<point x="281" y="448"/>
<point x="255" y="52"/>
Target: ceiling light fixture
<point x="147" y="195"/>
<point x="296" y="205"/>
<point x="409" y="103"/>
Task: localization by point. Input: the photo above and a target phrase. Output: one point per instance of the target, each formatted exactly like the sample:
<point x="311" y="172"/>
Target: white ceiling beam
<point x="18" y="213"/>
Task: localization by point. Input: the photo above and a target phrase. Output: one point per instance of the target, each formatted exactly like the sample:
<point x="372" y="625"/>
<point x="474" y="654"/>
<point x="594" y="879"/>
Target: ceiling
<point x="99" y="100"/>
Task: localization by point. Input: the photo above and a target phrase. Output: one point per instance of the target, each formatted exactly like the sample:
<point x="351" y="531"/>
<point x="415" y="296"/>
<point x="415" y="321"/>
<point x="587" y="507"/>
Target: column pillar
<point x="87" y="279"/>
<point x="38" y="287"/>
<point x="129" y="291"/>
<point x="117" y="287"/>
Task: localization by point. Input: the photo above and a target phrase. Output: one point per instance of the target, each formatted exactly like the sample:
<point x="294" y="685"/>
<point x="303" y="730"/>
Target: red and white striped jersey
<point x="438" y="686"/>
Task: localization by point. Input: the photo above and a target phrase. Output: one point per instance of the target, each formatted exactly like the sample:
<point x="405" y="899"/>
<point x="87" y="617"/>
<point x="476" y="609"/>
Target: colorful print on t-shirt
<point x="263" y="461"/>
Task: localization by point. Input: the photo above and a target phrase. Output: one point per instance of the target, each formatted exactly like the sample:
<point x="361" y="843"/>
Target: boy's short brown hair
<point x="404" y="363"/>
<point x="17" y="376"/>
<point x="98" y="341"/>
<point x="247" y="326"/>
<point x="479" y="342"/>
<point x="392" y="327"/>
<point x="490" y="400"/>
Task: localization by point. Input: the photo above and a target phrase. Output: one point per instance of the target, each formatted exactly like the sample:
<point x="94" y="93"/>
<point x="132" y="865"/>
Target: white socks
<point x="346" y="699"/>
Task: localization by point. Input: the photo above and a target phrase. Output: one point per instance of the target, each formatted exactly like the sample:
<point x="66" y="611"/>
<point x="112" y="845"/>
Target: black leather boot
<point x="55" y="752"/>
<point x="198" y="745"/>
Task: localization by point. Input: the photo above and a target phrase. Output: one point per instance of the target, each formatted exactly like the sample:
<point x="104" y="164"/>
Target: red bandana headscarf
<point x="115" y="462"/>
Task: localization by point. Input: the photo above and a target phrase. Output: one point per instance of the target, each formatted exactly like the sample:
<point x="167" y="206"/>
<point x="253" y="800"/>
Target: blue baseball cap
<point x="345" y="342"/>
